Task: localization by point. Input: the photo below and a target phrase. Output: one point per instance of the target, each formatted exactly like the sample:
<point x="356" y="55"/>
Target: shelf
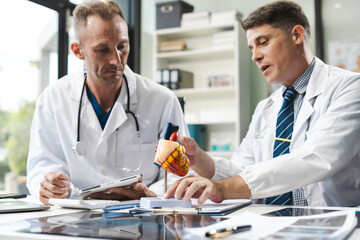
<point x="215" y="92"/>
<point x="217" y="108"/>
<point x="225" y="122"/>
<point x="194" y="31"/>
<point x="199" y="54"/>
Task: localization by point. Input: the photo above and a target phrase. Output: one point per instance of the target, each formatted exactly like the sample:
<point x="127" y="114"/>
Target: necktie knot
<point x="290" y="94"/>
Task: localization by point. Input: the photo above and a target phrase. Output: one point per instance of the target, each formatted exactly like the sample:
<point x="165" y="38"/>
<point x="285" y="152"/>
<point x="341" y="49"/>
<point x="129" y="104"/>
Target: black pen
<point x="223" y="232"/>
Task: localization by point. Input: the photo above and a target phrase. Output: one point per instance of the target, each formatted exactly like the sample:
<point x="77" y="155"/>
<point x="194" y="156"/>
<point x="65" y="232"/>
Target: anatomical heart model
<point x="170" y="154"/>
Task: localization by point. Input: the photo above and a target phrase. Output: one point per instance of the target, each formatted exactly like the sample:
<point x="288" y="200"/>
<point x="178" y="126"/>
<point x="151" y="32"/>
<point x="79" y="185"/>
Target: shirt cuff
<point x="224" y="168"/>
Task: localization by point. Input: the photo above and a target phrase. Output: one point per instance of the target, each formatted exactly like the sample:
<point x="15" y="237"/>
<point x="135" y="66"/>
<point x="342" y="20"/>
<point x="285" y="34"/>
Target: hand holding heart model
<point x="170" y="154"/>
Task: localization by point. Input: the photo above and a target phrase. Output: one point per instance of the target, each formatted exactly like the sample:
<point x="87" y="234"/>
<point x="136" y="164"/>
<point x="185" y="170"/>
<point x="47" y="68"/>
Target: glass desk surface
<point x="112" y="225"/>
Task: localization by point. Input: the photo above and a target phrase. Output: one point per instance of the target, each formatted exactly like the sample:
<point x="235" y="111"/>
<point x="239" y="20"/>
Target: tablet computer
<point x="297" y="212"/>
<point x="13" y="195"/>
<point x="123" y="182"/>
<point x="14" y="205"/>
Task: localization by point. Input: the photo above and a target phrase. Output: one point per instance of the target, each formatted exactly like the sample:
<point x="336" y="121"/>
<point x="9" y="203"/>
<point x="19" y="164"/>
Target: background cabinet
<point x="223" y="111"/>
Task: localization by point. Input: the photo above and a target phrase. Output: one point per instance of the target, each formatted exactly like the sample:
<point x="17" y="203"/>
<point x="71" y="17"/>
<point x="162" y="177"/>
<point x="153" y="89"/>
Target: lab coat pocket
<point x="140" y="156"/>
<point x="261" y="143"/>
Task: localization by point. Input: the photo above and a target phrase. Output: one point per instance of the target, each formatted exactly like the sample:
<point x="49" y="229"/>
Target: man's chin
<point x="111" y="80"/>
<point x="272" y="81"/>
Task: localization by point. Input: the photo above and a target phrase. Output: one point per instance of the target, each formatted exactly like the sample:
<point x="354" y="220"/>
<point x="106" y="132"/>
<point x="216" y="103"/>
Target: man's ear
<point x="76" y="49"/>
<point x="298" y="34"/>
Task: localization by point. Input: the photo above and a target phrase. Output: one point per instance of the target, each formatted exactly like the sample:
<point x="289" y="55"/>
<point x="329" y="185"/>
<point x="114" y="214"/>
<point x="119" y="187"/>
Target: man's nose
<point x="256" y="55"/>
<point x="116" y="58"/>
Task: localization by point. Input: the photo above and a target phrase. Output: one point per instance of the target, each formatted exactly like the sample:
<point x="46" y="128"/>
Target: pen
<point x="120" y="207"/>
<point x="223" y="232"/>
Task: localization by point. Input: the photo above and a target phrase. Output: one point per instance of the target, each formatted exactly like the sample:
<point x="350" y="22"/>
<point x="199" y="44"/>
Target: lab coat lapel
<point x="87" y="114"/>
<point x="313" y="90"/>
<point x="271" y="110"/>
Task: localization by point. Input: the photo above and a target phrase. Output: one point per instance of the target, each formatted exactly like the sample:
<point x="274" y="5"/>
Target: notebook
<point x="14" y="205"/>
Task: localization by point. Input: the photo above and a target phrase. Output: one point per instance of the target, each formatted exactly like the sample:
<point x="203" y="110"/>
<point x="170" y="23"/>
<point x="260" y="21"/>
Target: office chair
<point x="182" y="101"/>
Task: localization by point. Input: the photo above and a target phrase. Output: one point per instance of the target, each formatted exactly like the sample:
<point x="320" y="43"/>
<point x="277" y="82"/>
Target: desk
<point x="14" y="217"/>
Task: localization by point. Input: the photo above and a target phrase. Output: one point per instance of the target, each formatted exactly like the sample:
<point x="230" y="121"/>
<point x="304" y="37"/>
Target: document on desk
<point x="333" y="225"/>
<point x="160" y="205"/>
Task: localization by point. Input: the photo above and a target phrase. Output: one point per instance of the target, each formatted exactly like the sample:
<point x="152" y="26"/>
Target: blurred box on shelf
<point x="224" y="39"/>
<point x="225" y="17"/>
<point x="220" y="144"/>
<point x="195" y="19"/>
<point x="168" y="14"/>
<point x="181" y="79"/>
<point x="175" y="78"/>
<point x="221" y="80"/>
<point x="165" y="80"/>
<point x="171" y="46"/>
<point x="199" y="133"/>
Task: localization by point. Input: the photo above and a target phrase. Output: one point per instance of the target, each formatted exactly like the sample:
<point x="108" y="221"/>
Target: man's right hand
<point x="54" y="185"/>
<point x="200" y="161"/>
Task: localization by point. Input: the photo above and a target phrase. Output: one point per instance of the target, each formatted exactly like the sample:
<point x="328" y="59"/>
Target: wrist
<point x="218" y="194"/>
<point x="234" y="187"/>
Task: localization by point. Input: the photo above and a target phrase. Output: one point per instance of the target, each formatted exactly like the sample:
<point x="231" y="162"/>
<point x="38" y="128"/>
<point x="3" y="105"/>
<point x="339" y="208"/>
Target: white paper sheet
<point x="318" y="226"/>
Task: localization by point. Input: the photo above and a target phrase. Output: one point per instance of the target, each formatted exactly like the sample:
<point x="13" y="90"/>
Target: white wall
<point x="341" y="20"/>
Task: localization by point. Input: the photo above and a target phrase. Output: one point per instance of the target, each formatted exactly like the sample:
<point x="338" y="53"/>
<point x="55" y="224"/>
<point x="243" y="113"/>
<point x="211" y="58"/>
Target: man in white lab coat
<point x="84" y="130"/>
<point x="322" y="166"/>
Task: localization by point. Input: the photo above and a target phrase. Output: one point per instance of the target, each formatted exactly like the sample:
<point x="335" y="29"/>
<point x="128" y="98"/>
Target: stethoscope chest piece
<point x="79" y="148"/>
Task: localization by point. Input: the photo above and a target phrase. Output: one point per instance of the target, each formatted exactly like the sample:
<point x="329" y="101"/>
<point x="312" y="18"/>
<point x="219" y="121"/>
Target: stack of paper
<point x="168" y="46"/>
<point x="195" y="19"/>
<point x="220" y="80"/>
<point x="224" y="39"/>
<point x="225" y="17"/>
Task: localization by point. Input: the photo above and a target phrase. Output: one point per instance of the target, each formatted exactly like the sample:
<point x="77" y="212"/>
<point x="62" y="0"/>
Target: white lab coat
<point x="54" y="126"/>
<point x="325" y="149"/>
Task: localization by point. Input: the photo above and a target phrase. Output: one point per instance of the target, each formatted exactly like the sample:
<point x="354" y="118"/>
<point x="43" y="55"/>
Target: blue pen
<point x="120" y="207"/>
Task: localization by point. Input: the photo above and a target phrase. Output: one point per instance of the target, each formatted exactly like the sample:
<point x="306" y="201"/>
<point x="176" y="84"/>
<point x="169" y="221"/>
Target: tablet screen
<point x="297" y="212"/>
<point x="9" y="206"/>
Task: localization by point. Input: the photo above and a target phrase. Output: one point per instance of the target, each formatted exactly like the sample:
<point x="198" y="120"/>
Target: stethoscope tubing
<point x="77" y="145"/>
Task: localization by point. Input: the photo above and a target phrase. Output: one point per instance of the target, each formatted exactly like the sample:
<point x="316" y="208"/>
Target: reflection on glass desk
<point x="112" y="225"/>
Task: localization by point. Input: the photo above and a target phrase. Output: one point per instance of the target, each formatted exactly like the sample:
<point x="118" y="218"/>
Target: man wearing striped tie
<point x="303" y="144"/>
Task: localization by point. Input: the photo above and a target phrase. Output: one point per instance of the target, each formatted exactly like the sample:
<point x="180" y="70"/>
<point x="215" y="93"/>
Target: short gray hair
<point x="107" y="10"/>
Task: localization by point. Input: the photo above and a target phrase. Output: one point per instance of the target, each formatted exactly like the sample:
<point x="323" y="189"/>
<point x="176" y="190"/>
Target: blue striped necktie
<point x="284" y="130"/>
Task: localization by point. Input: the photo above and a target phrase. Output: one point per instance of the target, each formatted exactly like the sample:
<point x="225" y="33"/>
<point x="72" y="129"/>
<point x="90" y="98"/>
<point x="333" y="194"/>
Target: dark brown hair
<point x="281" y="14"/>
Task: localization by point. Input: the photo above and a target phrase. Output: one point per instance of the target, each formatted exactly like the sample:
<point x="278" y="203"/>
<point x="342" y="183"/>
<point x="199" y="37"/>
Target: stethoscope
<point x="79" y="148"/>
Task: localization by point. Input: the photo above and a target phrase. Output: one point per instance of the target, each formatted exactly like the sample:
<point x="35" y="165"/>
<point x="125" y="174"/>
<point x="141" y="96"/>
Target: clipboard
<point x="220" y="209"/>
<point x="208" y="208"/>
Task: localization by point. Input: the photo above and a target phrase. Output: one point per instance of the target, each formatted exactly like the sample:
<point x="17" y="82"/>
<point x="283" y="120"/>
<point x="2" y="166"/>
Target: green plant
<point x="4" y="168"/>
<point x="18" y="140"/>
<point x="4" y="119"/>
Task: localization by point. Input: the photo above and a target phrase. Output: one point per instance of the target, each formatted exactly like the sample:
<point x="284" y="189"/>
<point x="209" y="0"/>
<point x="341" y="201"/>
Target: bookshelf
<point x="223" y="110"/>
